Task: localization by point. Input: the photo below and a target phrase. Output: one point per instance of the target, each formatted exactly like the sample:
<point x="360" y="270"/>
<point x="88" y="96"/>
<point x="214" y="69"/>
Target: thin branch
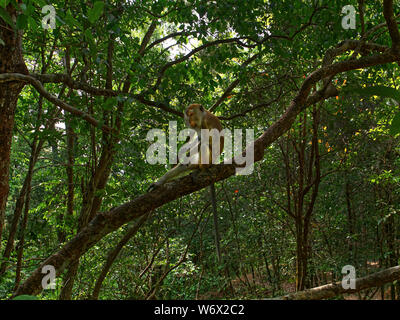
<point x="187" y="56"/>
<point x="233" y="84"/>
<point x="112" y="255"/>
<point x="361" y="13"/>
<point x="258" y="106"/>
<point x="158" y="105"/>
<point x="169" y="36"/>
<point x="77" y="85"/>
<point x="377" y="27"/>
<point x="63" y="105"/>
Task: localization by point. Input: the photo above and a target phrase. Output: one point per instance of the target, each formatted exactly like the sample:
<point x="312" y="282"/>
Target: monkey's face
<point x="194" y="116"/>
<point x="192" y="120"/>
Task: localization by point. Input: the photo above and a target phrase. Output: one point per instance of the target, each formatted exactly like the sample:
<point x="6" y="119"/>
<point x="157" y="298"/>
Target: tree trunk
<point x="301" y="257"/>
<point x="10" y="61"/>
<point x="69" y="279"/>
<point x="18" y="210"/>
<point x="21" y="242"/>
<point x="350" y="221"/>
<point x="70" y="178"/>
<point x="390" y="239"/>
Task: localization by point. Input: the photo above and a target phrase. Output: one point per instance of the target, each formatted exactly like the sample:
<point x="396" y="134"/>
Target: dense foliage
<point x="325" y="195"/>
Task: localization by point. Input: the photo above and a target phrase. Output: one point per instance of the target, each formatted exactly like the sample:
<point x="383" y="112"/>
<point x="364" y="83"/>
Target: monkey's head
<point x="194" y="115"/>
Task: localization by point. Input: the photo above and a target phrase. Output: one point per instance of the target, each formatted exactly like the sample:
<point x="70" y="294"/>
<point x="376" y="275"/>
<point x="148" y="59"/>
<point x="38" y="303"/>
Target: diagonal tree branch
<point x="377" y="27"/>
<point x="169" y="36"/>
<point x="334" y="289"/>
<point x="158" y="105"/>
<point x="258" y="106"/>
<point x="147" y="37"/>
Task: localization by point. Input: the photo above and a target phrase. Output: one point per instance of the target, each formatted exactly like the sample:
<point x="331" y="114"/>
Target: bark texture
<point x="10" y="61"/>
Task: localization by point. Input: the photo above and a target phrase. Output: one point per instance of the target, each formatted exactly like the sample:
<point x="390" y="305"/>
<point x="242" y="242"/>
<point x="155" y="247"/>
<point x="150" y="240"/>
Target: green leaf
<point x="4" y="3"/>
<point x="2" y="42"/>
<point x="15" y="4"/>
<point x="22" y="21"/>
<point x="30" y="9"/>
<point x="395" y="125"/>
<point x="71" y="21"/>
<point x="6" y="17"/>
<point x="95" y="12"/>
<point x="100" y="193"/>
<point x="382" y="91"/>
<point x="25" y="297"/>
<point x="40" y="3"/>
<point x="110" y="103"/>
<point x="88" y="35"/>
<point x="100" y="124"/>
<point x="32" y="23"/>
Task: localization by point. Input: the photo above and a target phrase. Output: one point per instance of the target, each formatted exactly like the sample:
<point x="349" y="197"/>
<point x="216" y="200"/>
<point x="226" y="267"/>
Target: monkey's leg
<point x="174" y="172"/>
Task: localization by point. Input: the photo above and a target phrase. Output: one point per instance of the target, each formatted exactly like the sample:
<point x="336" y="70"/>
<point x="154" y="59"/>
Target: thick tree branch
<point x="334" y="289"/>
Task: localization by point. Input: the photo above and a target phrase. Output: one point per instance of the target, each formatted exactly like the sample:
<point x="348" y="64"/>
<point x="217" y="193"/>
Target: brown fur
<point x="197" y="117"/>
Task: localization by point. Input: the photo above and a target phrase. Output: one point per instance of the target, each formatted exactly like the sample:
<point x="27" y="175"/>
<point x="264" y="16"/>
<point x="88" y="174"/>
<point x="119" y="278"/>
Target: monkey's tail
<point x="216" y="230"/>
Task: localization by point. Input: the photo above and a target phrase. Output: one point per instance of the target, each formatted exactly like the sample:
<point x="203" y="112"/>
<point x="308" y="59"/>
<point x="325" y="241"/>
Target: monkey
<point x="197" y="118"/>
